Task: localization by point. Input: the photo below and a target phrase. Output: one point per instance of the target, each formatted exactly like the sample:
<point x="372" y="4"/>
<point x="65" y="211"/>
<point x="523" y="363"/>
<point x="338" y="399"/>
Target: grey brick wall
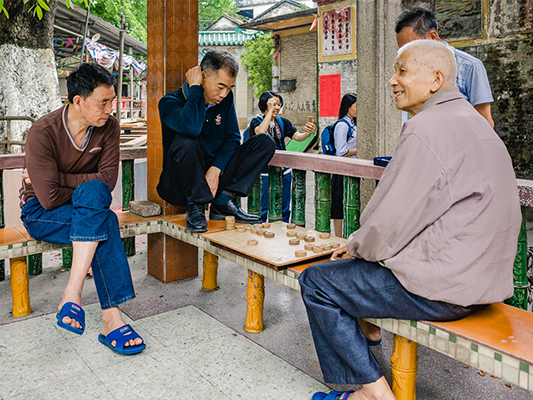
<point x="299" y="61"/>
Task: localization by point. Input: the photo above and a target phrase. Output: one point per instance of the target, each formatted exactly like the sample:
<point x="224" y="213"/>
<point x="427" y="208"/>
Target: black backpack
<point x="328" y="138"/>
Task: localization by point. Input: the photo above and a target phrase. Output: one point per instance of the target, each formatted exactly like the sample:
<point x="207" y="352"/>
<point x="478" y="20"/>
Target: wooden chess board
<point x="275" y="252"/>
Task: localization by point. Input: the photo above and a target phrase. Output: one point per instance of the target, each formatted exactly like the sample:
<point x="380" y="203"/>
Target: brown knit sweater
<point x="57" y="166"/>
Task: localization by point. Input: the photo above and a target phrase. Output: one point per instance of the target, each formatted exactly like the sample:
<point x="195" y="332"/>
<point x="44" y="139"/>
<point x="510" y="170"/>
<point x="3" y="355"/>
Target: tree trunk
<point x="29" y="86"/>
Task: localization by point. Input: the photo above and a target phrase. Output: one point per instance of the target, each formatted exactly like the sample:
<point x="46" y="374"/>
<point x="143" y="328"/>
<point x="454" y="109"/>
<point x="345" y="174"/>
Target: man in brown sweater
<point x="72" y="160"/>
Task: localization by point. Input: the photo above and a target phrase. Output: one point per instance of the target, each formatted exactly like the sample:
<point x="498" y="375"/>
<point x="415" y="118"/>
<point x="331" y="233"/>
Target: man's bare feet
<point x="74" y="297"/>
<point x="371" y="332"/>
<point x="112" y="319"/>
<point x="378" y="390"/>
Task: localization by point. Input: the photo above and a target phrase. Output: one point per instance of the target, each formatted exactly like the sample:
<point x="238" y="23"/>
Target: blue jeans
<point x="285" y="197"/>
<point x="87" y="219"/>
<point x="335" y="293"/>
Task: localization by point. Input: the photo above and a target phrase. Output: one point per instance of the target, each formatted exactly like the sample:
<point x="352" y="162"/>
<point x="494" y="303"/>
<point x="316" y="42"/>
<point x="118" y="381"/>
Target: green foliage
<point x="3" y="9"/>
<point x="257" y="58"/>
<point x="210" y="10"/>
<point x="134" y="13"/>
<point x="108" y="10"/>
<point x="38" y="6"/>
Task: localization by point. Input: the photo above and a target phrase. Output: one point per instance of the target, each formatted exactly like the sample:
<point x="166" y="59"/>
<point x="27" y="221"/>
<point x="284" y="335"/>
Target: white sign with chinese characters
<point x="337" y="31"/>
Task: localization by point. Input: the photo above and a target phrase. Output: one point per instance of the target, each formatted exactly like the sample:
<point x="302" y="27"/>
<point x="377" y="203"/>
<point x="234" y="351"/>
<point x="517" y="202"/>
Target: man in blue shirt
<point x="203" y="160"/>
<point x="472" y="80"/>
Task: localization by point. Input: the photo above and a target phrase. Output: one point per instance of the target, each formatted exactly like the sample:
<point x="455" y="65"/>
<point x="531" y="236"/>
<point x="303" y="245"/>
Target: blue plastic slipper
<point x="374" y="342"/>
<point x="75" y="312"/>
<point x="331" y="395"/>
<point x="122" y="335"/>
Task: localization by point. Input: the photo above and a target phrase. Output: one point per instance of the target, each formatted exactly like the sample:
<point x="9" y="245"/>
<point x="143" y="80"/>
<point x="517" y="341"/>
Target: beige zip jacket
<point x="445" y="216"/>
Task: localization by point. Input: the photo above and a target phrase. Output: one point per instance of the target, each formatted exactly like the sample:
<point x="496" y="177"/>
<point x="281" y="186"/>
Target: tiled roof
<point x="219" y="38"/>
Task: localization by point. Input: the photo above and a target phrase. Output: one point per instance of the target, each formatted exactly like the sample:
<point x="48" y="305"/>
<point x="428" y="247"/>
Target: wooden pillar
<point x="172" y="51"/>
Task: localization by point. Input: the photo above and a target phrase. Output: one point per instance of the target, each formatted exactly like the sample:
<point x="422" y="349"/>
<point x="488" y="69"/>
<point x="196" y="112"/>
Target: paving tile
<point x="242" y="369"/>
<point x="183" y="327"/>
<point x="40" y="367"/>
<point x="27" y="335"/>
<point x="84" y="386"/>
<point x="160" y="375"/>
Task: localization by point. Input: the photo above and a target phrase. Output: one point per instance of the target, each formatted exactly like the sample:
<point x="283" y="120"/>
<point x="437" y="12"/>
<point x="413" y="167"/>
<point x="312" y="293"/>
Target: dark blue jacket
<point x="217" y="127"/>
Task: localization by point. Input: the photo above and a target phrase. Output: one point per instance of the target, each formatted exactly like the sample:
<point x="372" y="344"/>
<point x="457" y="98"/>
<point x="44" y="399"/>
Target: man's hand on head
<point x="194" y="76"/>
<point x="26" y="176"/>
<point x="211" y="176"/>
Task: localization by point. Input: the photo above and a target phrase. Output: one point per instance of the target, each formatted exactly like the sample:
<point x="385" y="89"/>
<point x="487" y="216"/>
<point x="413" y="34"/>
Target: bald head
<point x="431" y="56"/>
<point x="422" y="68"/>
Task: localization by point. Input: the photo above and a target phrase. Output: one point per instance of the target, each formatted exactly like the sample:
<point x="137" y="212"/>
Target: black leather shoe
<point x="196" y="221"/>
<point x="218" y="212"/>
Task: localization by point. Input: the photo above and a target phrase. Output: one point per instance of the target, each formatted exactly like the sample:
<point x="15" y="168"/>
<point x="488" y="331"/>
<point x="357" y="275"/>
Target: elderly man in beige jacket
<point x="438" y="236"/>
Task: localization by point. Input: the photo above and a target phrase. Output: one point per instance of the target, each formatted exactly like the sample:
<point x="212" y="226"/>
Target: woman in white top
<point x="345" y="135"/>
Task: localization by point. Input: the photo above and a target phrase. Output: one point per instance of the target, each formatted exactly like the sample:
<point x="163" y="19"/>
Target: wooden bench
<point x="475" y="340"/>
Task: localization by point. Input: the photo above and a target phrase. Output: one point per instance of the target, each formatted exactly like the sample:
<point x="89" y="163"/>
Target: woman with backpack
<point x="270" y="105"/>
<point x="345" y="135"/>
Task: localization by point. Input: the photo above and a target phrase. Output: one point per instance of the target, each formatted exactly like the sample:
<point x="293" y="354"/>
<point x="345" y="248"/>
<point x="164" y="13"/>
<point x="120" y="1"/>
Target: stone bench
<point x="497" y="339"/>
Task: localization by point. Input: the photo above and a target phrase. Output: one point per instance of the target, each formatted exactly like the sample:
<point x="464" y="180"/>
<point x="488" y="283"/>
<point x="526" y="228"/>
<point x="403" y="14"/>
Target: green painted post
<point x="254" y="198"/>
<point x="128" y="183"/>
<point x="129" y="246"/>
<point x="2" y="223"/>
<point x="519" y="299"/>
<point x="35" y="264"/>
<point x="352" y="205"/>
<point x="322" y="202"/>
<point x="67" y="257"/>
<point x="298" y="197"/>
<point x="128" y="194"/>
<point x="274" y="193"/>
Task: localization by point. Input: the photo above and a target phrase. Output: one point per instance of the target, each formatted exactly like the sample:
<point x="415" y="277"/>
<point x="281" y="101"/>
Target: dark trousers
<point x="337" y="196"/>
<point x="183" y="177"/>
<point x="335" y="293"/>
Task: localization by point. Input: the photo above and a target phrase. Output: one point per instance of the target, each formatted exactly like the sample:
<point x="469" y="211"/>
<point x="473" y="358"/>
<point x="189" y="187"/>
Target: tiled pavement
<point x="190" y="355"/>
